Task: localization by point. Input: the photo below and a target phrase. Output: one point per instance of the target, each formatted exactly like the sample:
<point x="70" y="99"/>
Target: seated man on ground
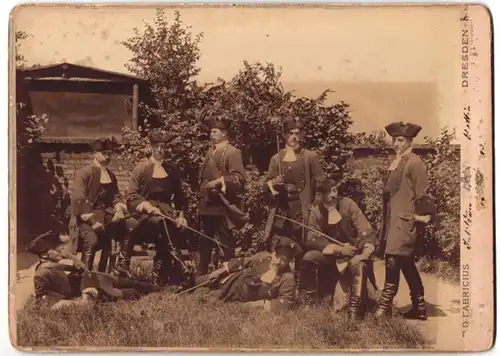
<point x="341" y="267"/>
<point x="61" y="277"/>
<point x="264" y="279"/>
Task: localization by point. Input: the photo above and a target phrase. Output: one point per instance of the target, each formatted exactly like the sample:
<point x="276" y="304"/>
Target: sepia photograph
<point x="295" y="178"/>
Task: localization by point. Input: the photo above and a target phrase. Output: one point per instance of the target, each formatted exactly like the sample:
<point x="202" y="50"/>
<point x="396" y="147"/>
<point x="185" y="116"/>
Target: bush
<point x="439" y="240"/>
<point x="442" y="239"/>
<point x="255" y="102"/>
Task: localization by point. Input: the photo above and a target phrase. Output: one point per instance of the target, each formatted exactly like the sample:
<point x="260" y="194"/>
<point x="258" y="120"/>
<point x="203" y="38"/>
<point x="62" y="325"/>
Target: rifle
<point x="237" y="217"/>
<point x="341" y="265"/>
<point x="272" y="211"/>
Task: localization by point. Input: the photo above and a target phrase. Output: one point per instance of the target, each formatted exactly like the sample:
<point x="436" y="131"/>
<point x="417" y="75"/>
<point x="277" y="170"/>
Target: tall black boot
<point x="122" y="267"/>
<point x="385" y="305"/>
<point x="308" y="283"/>
<point x="357" y="299"/>
<point x="158" y="274"/>
<point x="88" y="255"/>
<point x="418" y="310"/>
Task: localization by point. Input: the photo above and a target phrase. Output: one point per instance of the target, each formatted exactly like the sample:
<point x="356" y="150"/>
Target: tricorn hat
<point x="43" y="243"/>
<point x="287" y="247"/>
<point x="292" y="123"/>
<point x="104" y="144"/>
<point x="326" y="185"/>
<point x="405" y="129"/>
<point x="102" y="282"/>
<point x="219" y="123"/>
<point x="160" y="136"/>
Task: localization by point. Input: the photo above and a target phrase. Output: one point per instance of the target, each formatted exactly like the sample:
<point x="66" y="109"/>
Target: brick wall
<point x="68" y="162"/>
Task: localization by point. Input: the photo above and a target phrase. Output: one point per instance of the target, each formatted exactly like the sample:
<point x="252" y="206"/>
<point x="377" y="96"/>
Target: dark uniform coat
<point x="139" y="187"/>
<point x="227" y="163"/>
<point x="405" y="192"/>
<point x="305" y="178"/>
<point x="85" y="189"/>
<point x="244" y="283"/>
<point x="353" y="227"/>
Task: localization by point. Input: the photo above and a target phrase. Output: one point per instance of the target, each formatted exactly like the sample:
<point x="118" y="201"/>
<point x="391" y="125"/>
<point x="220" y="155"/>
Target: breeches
<point x="140" y="286"/>
<point x="167" y="239"/>
<point x="153" y="229"/>
<point x="92" y="241"/>
<point x="212" y="226"/>
<point x="394" y="264"/>
<point x="320" y="276"/>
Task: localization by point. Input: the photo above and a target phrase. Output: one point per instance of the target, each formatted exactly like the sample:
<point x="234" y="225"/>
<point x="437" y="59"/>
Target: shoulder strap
<point x="222" y="161"/>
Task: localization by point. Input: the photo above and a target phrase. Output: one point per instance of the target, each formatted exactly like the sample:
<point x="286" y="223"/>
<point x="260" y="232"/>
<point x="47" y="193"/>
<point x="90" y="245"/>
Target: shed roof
<point x="69" y="71"/>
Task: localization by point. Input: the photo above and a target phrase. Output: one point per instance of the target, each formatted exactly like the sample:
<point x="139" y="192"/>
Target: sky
<point x="389" y="64"/>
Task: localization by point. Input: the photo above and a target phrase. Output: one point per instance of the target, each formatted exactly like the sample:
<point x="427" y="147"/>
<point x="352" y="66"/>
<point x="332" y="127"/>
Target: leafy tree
<point x="166" y="53"/>
<point x="19" y="37"/>
<point x="41" y="193"/>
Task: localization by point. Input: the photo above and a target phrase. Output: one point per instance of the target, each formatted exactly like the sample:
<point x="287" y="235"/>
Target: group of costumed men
<point x="318" y="243"/>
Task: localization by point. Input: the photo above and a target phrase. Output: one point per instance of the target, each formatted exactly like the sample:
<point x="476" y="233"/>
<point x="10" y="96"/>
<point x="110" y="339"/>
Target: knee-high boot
<point x="308" y="283"/>
<point x="385" y="305"/>
<point x="158" y="274"/>
<point x="88" y="256"/>
<point x="418" y="310"/>
<point x="357" y="299"/>
<point x="123" y="266"/>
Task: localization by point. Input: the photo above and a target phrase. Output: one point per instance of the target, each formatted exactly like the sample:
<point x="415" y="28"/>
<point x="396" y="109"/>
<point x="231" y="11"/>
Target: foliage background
<point x="166" y="53"/>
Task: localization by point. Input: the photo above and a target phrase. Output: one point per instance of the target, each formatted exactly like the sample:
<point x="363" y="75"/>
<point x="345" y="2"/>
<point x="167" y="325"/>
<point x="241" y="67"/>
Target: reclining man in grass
<point x="345" y="265"/>
<point x="61" y="277"/>
<point x="264" y="279"/>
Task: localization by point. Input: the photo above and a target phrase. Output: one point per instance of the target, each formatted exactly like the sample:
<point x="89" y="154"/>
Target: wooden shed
<point x="82" y="102"/>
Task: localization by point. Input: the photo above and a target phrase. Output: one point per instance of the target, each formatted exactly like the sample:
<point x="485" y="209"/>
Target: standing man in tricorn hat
<point x="291" y="179"/>
<point x="154" y="189"/>
<point x="406" y="204"/>
<point x="98" y="209"/>
<point x="222" y="182"/>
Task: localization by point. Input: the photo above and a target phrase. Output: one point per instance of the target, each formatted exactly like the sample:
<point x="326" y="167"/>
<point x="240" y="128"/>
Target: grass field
<point x="165" y="320"/>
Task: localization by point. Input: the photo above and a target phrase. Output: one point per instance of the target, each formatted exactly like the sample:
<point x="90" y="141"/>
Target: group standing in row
<point x="317" y="241"/>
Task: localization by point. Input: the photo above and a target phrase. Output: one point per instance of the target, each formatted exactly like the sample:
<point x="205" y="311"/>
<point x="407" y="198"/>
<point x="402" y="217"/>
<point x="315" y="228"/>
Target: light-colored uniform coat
<point x="406" y="187"/>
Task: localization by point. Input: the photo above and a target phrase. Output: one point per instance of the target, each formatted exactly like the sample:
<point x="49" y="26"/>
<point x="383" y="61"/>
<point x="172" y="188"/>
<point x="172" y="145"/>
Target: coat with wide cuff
<point x="84" y="192"/>
<point x="405" y="191"/>
<point x="281" y="293"/>
<point x="85" y="188"/>
<point x="52" y="283"/>
<point x="229" y="165"/>
<point x="314" y="173"/>
<point x="139" y="188"/>
<point x="353" y="228"/>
